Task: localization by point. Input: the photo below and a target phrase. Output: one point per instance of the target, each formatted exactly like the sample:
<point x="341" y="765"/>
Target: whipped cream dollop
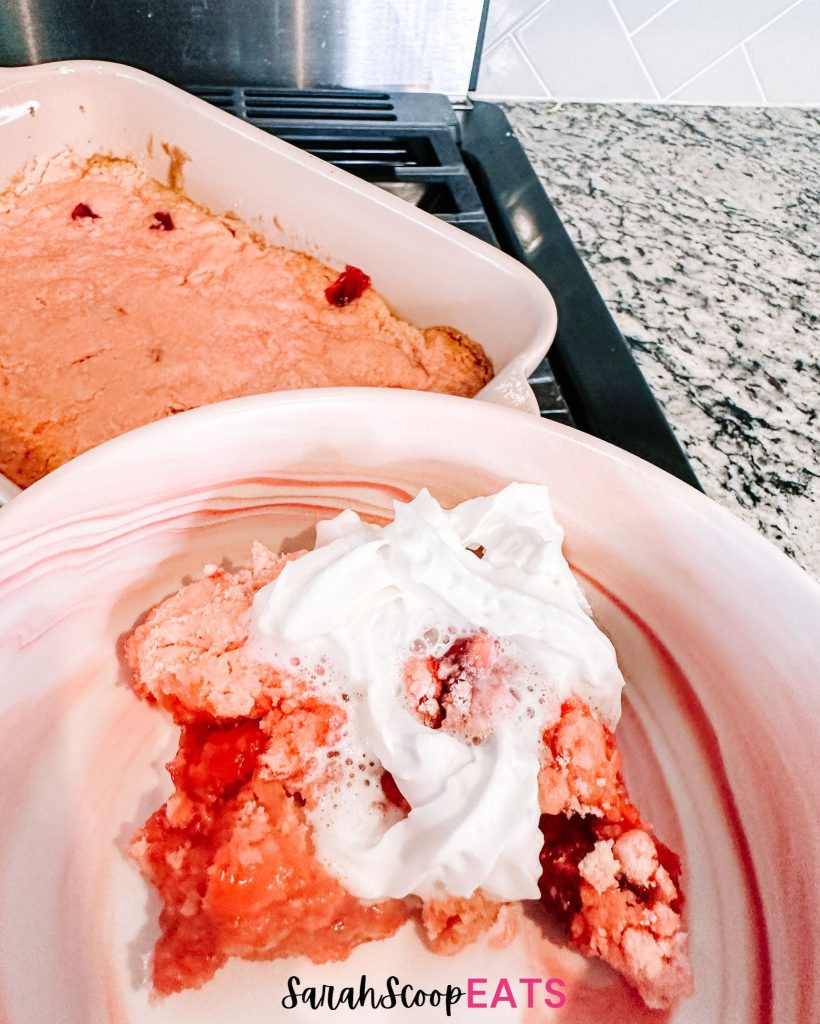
<point x="368" y="601"/>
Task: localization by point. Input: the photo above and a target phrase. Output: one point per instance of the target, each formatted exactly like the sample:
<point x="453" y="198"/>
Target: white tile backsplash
<point x="636" y="12"/>
<point x="730" y="81"/>
<point x="786" y="57"/>
<point x="683" y="51"/>
<point x="505" y="16"/>
<point x="505" y="71"/>
<point x="692" y="34"/>
<point x="583" y="64"/>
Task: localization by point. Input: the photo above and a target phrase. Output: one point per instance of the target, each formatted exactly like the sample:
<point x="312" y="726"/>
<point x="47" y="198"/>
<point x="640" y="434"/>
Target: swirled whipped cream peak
<point x="450" y="638"/>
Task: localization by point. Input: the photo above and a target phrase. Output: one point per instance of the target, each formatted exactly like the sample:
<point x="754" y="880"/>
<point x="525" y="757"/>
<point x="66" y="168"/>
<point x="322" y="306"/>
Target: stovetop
<point x="464" y="165"/>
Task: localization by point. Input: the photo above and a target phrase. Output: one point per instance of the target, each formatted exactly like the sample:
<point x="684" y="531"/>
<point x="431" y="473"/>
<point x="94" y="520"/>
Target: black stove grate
<point x="406" y="143"/>
<point x="468" y="169"/>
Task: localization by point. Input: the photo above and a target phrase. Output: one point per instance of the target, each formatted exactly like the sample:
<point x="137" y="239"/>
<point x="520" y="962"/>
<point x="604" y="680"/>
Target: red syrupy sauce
<point x="164" y="222"/>
<point x="566" y="842"/>
<point x="468" y="653"/>
<point x="350" y="285"/>
<point x="82" y="211"/>
<point x="393" y="793"/>
<point x="464" y="659"/>
<point x="216" y="760"/>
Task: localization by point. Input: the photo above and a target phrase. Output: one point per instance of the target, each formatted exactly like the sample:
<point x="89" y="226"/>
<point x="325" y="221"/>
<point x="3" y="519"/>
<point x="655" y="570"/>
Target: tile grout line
<point x="489" y="50"/>
<point x="771" y="21"/>
<point x="634" y="48"/>
<point x="511" y="35"/>
<point x="652" y="17"/>
<point x="751" y="66"/>
<point x="530" y="18"/>
<point x="523" y="53"/>
<point x="736" y="46"/>
<point x="702" y="71"/>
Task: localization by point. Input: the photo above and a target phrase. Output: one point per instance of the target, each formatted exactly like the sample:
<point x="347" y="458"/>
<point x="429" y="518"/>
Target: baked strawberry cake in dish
<point x="121" y="302"/>
<point x="409" y="721"/>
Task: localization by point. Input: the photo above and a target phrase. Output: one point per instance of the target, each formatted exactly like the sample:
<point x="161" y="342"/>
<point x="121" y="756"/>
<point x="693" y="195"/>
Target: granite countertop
<point x="701" y="228"/>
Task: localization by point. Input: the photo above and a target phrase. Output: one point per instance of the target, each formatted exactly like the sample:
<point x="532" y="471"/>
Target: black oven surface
<point x="468" y="168"/>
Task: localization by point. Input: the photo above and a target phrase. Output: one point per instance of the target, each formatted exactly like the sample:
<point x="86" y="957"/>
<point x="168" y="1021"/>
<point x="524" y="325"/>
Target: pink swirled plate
<point x="716" y="631"/>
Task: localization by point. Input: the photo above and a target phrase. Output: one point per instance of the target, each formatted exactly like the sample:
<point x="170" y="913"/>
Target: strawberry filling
<point x="350" y="285"/>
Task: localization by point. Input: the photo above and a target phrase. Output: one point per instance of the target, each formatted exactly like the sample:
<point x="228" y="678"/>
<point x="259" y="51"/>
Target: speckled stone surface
<point x="701" y="228"/>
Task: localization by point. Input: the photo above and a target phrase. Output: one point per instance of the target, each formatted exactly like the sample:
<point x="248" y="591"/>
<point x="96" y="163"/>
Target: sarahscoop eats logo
<point x="477" y="993"/>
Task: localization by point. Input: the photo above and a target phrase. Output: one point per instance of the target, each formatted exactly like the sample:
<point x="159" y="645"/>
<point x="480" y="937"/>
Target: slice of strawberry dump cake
<point x="409" y="721"/>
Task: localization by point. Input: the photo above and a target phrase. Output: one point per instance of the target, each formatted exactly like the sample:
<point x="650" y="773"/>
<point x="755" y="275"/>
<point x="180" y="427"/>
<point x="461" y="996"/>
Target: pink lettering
<point x="559" y="997"/>
<point x="473" y="991"/>
<point x="530" y="983"/>
<point x="503" y="994"/>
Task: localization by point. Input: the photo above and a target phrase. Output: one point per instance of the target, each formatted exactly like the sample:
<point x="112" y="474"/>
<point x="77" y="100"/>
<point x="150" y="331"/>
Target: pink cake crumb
<point x="615" y="886"/>
<point x="189" y="655"/>
<point x="464" y="691"/>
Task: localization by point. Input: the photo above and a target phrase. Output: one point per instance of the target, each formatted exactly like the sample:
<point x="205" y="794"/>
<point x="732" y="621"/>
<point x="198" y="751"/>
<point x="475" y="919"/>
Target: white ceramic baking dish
<point x="429" y="272"/>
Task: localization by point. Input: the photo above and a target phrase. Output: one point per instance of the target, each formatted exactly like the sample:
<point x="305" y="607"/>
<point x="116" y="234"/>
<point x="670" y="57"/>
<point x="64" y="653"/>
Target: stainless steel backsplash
<point x="415" y="44"/>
